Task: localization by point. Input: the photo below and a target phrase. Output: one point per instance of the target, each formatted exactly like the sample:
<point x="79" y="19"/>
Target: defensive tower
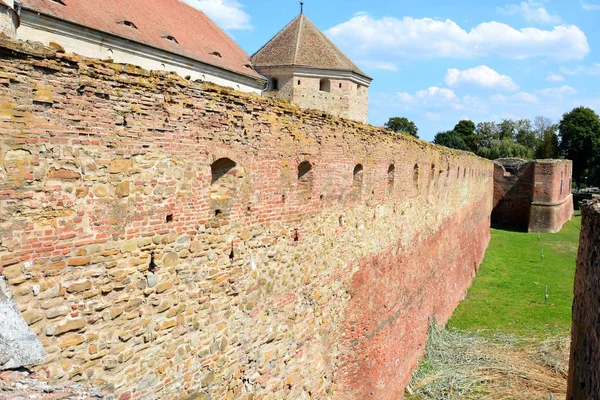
<point x="9" y="18"/>
<point x="304" y="66"/>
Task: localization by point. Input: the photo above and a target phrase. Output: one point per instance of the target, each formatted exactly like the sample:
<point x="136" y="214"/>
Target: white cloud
<point x="482" y="76"/>
<point x="589" y="6"/>
<point x="404" y="97"/>
<point x="433" y="99"/>
<point x="521" y="97"/>
<point x="531" y="11"/>
<point x="436" y="93"/>
<point x="392" y="40"/>
<point x="552" y="77"/>
<point x="590" y="70"/>
<point x="559" y="92"/>
<point x="228" y="14"/>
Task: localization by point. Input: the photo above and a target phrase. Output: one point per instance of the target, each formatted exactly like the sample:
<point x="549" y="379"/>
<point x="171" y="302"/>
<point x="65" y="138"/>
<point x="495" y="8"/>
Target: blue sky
<point x="436" y="62"/>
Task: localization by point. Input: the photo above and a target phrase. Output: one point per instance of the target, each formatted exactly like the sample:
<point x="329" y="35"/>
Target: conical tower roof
<point x="302" y="44"/>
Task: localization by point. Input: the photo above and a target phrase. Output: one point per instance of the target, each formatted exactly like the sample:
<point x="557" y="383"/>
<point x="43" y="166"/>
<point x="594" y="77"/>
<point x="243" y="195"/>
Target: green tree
<point x="506" y="129"/>
<point x="466" y="130"/>
<point x="579" y="132"/>
<point x="505" y="149"/>
<point x="402" y="125"/>
<point x="486" y="132"/>
<point x="541" y="125"/>
<point x="548" y="147"/>
<point x="526" y="134"/>
<point x="450" y="139"/>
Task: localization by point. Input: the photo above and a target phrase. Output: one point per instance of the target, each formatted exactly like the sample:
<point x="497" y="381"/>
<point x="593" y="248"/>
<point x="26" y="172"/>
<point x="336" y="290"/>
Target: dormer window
<point x="216" y="54"/>
<point x="171" y="38"/>
<point x="62" y="3"/>
<point x="128" y="23"/>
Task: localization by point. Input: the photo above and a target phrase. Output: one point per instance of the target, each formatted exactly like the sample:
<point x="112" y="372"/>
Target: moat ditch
<point x="509" y="339"/>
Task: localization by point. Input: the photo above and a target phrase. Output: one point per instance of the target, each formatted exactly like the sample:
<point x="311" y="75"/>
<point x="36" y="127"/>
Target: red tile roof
<point x="197" y="36"/>
<point x="301" y="43"/>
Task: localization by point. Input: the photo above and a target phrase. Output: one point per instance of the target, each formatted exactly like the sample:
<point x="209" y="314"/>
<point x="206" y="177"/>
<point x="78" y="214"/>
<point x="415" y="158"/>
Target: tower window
<point x="298" y="82"/>
<point x="325" y="85"/>
<point x="274" y="84"/>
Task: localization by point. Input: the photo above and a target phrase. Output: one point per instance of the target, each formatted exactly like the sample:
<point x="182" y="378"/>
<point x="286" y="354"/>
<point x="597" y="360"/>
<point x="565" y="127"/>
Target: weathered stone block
<point x="31" y="317"/>
<point x="70" y="340"/>
<point x="120" y="166"/>
<point x="79" y="287"/>
<point x="161" y="287"/>
<point x="63" y="174"/>
<point x="69" y="325"/>
<point x="79" y="261"/>
<point x="122" y="189"/>
<point x="170" y="259"/>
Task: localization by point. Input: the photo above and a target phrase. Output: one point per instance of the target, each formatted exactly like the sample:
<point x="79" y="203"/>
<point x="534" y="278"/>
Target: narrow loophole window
<point x="390" y="180"/>
<point x="416" y="175"/>
<point x="357" y="178"/>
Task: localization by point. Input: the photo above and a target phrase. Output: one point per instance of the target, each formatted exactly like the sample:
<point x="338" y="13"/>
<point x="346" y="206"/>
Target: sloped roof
<point x="197" y="36"/>
<point x="301" y="43"/>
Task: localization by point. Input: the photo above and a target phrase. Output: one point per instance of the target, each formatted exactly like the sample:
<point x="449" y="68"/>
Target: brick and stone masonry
<point x="532" y="196"/>
<point x="166" y="238"/>
<point x="584" y="374"/>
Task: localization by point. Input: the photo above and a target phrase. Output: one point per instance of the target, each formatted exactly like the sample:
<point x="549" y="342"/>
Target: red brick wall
<point x="552" y="203"/>
<point x="584" y="374"/>
<point x="140" y="267"/>
<point x="534" y="197"/>
<point x="513" y="192"/>
<point x="396" y="295"/>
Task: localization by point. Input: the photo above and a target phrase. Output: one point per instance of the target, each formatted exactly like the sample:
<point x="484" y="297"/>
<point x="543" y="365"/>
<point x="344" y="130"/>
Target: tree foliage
<point x="503" y="149"/>
<point x="466" y="130"/>
<point x="507" y="138"/>
<point x="525" y="134"/>
<point x="402" y="125"/>
<point x="579" y="132"/>
<point x="450" y="139"/>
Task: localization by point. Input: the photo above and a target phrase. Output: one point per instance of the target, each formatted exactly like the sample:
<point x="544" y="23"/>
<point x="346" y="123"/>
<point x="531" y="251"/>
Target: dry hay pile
<point x="460" y="365"/>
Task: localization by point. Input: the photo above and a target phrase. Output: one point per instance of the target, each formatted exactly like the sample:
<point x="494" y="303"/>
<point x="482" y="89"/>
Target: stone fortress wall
<point x="584" y="375"/>
<point x="533" y="196"/>
<point x="169" y="238"/>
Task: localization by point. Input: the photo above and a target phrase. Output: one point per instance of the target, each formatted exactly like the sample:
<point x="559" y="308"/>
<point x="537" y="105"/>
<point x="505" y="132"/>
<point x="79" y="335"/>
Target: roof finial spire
<point x="301" y="7"/>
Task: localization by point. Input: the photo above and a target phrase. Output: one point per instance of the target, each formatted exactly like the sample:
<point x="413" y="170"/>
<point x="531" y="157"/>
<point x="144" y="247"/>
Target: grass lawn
<point x="508" y="293"/>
